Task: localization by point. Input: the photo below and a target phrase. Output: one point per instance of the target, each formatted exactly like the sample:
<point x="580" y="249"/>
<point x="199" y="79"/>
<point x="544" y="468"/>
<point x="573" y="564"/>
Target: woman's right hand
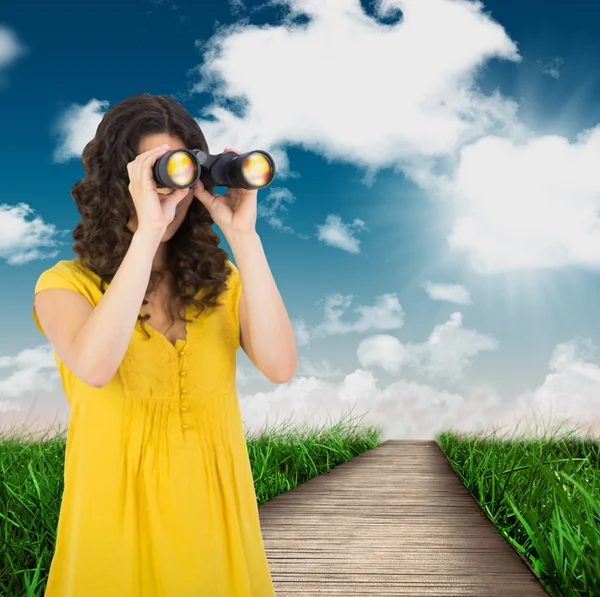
<point x="153" y="213"/>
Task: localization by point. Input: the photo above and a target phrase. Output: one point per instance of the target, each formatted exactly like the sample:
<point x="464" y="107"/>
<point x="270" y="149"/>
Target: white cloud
<point x="33" y="369"/>
<point x="426" y="102"/>
<point x="453" y="293"/>
<point x="247" y="372"/>
<point x="76" y="126"/>
<point x="517" y="200"/>
<point x="571" y="389"/>
<point x="385" y="314"/>
<point x="450" y="348"/>
<point x="428" y="106"/>
<point x="510" y="200"/>
<point x="307" y="368"/>
<point x="435" y="110"/>
<point x="552" y="67"/>
<point x="447" y="352"/>
<point x="570" y="394"/>
<point x="22" y="240"/>
<point x="404" y="409"/>
<point x="23" y="378"/>
<point x="409" y="410"/>
<point x="7" y="406"/>
<point x="337" y="234"/>
<point x="383" y="351"/>
<point x="528" y="205"/>
<point x="236" y="6"/>
<point x="302" y="332"/>
<point x="11" y="49"/>
<point x="272" y="207"/>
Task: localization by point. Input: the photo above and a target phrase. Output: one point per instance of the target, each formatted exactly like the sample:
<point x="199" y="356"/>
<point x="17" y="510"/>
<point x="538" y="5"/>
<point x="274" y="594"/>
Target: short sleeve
<point x="63" y="275"/>
<point x="235" y="290"/>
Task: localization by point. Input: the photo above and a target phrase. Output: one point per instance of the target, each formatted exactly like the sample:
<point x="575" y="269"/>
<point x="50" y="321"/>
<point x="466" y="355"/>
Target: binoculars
<point x="181" y="168"/>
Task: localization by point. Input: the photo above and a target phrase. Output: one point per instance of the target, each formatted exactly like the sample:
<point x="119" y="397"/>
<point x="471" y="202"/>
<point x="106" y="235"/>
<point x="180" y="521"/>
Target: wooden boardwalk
<point x="396" y="520"/>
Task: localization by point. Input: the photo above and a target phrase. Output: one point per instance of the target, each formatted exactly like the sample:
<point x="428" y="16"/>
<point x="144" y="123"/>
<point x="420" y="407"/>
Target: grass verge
<point x="542" y="493"/>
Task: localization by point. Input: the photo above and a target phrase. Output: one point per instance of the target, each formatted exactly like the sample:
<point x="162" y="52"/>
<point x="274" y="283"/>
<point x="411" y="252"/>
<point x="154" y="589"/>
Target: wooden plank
<point x="396" y="520"/>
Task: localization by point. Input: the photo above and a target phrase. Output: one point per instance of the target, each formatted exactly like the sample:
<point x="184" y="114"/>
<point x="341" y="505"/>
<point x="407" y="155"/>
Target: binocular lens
<point x="181" y="168"/>
<point x="257" y="169"/>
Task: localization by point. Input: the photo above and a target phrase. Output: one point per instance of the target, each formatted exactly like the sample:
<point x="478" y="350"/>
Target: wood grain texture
<point x="396" y="520"/>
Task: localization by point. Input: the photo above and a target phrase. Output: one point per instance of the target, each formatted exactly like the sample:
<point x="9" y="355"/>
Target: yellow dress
<point x="158" y="499"/>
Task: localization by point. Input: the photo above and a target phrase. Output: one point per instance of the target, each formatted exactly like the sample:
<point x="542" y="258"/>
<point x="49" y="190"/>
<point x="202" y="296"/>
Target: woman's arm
<point x="267" y="335"/>
<point x="92" y="342"/>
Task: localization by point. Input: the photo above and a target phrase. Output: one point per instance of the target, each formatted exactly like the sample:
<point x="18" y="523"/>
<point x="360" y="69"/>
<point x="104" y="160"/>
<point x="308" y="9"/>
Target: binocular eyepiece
<point x="181" y="168"/>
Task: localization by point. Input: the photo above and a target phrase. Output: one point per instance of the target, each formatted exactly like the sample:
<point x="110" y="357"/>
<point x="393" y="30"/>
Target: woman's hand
<point x="153" y="212"/>
<point x="234" y="212"/>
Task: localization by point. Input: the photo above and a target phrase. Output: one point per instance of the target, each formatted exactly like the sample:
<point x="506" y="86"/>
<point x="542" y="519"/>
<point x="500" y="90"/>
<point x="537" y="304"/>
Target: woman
<point x="159" y="497"/>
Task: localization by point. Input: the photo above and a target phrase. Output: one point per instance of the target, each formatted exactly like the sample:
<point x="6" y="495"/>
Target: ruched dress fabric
<point x="159" y="498"/>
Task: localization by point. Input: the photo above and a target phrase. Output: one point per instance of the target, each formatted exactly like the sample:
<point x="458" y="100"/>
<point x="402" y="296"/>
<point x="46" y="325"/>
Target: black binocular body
<point x="181" y="168"/>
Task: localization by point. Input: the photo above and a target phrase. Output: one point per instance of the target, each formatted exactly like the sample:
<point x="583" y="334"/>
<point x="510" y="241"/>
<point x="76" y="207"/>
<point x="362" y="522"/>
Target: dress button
<point x="182" y="373"/>
<point x="183" y="408"/>
<point x="181" y="353"/>
<point x="184" y="390"/>
<point x="184" y="426"/>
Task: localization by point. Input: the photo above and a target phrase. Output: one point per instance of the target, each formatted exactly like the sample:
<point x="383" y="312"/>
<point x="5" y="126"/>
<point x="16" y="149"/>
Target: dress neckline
<point x="179" y="341"/>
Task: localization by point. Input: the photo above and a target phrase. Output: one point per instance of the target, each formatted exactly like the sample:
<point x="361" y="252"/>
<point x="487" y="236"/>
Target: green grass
<point x="543" y="495"/>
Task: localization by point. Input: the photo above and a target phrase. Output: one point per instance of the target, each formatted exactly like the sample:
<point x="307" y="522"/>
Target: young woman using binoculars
<point x="145" y="323"/>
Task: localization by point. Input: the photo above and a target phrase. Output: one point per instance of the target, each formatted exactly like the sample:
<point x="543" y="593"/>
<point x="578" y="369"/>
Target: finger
<point x="152" y="152"/>
<point x="140" y="160"/>
<point x="205" y="200"/>
<point x="148" y="159"/>
<point x="203" y="195"/>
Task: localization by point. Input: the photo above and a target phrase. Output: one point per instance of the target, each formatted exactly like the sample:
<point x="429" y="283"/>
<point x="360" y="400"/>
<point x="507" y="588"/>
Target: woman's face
<point x="146" y="144"/>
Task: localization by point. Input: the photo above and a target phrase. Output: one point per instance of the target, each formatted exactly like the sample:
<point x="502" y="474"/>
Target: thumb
<point x="202" y="194"/>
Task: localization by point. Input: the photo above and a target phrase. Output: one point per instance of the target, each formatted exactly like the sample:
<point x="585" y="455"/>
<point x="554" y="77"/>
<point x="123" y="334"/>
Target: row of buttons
<point x="182" y="392"/>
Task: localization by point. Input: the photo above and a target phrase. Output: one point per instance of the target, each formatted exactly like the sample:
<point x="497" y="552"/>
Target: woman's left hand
<point x="234" y="212"/>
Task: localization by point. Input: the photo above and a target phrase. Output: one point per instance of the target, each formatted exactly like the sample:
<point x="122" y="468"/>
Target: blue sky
<point x="433" y="227"/>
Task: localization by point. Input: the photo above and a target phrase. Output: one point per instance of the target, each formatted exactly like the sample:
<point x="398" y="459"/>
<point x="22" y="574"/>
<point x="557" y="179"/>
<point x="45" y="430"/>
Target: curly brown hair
<point x="102" y="237"/>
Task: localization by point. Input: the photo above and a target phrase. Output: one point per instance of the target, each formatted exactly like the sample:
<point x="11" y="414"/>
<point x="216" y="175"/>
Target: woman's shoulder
<point x="72" y="268"/>
<point x="68" y="273"/>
